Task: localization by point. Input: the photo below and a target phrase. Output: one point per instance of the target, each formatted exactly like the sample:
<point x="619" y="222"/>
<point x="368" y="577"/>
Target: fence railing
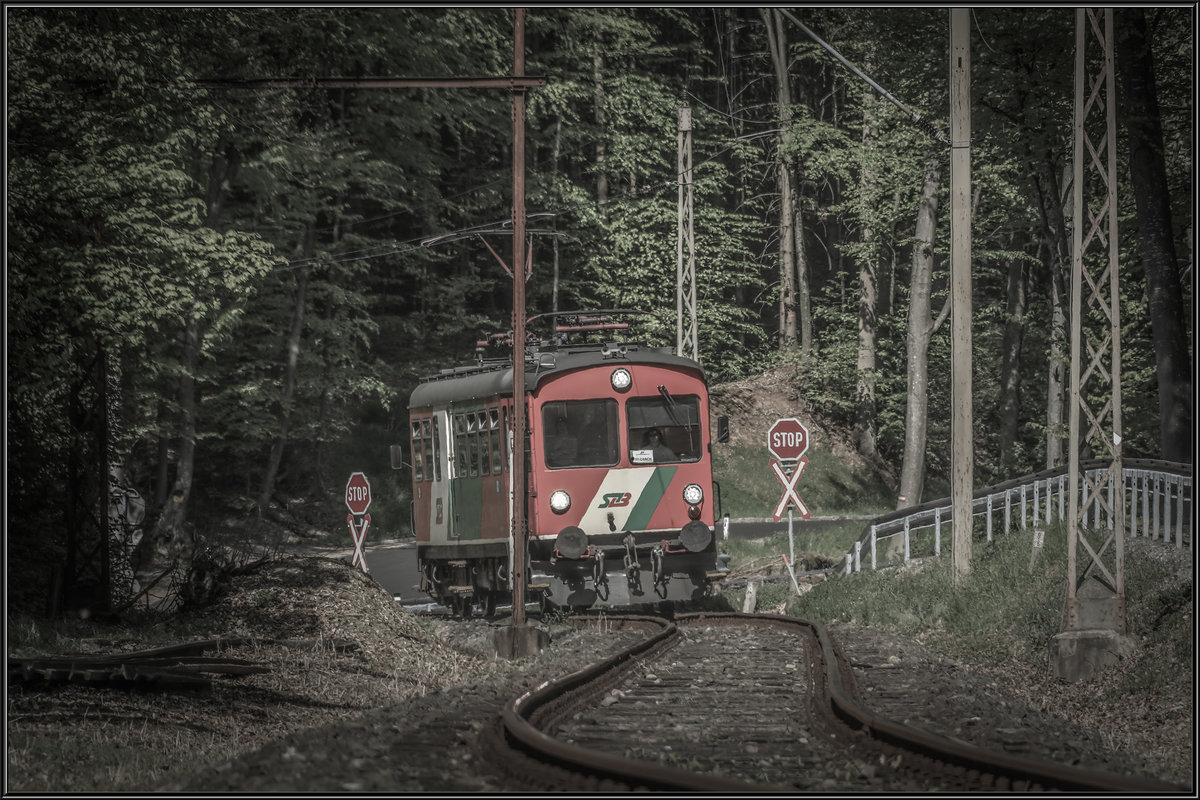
<point x="1157" y="497"/>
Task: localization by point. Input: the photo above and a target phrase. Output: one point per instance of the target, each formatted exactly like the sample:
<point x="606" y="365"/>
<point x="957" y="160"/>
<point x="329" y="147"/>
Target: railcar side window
<point x="418" y="452"/>
<point x="473" y="438"/>
<point x="437" y="450"/>
<point x="423" y="470"/>
<point x="460" y="446"/>
<point x="664" y="429"/>
<point x="481" y="435"/>
<point x="494" y="437"/>
<point x="580" y="433"/>
<point x="427" y="438"/>
<point x="504" y="434"/>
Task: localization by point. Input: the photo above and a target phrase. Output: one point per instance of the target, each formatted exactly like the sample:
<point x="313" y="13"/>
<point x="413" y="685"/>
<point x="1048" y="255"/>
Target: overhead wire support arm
<point x="920" y="121"/>
<point x="513" y="82"/>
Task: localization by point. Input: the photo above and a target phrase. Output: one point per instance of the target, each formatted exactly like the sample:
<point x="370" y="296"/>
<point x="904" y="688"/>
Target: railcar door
<point x="439" y="491"/>
<point x="469" y="431"/>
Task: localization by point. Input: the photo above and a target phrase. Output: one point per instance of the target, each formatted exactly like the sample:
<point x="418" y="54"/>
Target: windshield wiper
<point x="670" y="405"/>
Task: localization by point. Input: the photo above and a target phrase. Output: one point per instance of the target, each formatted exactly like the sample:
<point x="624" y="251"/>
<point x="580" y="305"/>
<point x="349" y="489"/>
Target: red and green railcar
<point x="620" y="501"/>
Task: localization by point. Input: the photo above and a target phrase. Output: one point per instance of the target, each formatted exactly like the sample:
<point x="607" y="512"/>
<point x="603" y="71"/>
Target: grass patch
<point x="1000" y="598"/>
<point x="812" y="543"/>
<point x="828" y="486"/>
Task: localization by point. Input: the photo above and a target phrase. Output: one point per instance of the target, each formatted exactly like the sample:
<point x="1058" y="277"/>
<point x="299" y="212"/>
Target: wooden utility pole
<point x="961" y="441"/>
<point x="519" y="532"/>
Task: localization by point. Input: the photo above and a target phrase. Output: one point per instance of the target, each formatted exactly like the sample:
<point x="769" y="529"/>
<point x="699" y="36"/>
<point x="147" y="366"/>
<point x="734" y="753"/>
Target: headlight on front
<point x="560" y="501"/>
<point x="693" y="494"/>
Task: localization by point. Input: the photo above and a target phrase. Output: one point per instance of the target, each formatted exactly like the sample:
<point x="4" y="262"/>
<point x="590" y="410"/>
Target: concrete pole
<point x="962" y="451"/>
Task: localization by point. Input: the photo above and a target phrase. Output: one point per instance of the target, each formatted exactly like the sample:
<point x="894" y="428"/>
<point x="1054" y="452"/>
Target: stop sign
<point x="787" y="439"/>
<point x="358" y="493"/>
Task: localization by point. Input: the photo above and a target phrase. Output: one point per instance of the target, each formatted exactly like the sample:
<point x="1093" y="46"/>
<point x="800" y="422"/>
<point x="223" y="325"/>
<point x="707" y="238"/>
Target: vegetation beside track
<point x="1001" y="619"/>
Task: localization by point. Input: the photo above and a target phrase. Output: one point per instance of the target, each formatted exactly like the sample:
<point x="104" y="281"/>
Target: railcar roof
<point x="495" y="378"/>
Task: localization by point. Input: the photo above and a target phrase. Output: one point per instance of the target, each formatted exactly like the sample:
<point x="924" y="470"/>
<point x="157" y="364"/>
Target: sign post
<point x="358" y="500"/>
<point x="787" y="441"/>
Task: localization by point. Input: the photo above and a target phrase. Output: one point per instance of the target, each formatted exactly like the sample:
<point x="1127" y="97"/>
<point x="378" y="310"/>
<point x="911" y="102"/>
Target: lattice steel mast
<point x="1095" y="593"/>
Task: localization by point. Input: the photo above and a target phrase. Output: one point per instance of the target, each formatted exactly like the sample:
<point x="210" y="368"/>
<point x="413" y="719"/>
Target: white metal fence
<point x="1157" y="498"/>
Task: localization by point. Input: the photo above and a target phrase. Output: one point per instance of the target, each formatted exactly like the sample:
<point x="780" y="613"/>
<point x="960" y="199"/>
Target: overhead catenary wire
<point x="920" y="121"/>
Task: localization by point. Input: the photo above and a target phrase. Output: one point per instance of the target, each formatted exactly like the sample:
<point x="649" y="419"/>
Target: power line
<point x="917" y="119"/>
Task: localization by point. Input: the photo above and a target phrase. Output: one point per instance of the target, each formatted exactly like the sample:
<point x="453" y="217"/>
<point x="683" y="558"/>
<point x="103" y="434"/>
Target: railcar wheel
<point x="464" y="607"/>
<point x="489" y="604"/>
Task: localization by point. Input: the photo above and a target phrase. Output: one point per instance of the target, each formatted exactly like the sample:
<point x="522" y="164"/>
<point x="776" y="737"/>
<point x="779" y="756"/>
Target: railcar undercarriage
<point x="614" y="575"/>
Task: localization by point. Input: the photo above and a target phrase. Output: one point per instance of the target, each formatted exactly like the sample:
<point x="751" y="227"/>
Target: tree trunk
<point x="1056" y="378"/>
<point x="891" y="293"/>
<point x="864" y="418"/>
<point x="777" y="44"/>
<point x="912" y="474"/>
<point x="1054" y="210"/>
<point x="168" y="531"/>
<point x="598" y="107"/>
<point x="289" y="380"/>
<point x="164" y="448"/>
<point x="803" y="296"/>
<point x="1010" y="366"/>
<point x="554" y="283"/>
<point x="1164" y="294"/>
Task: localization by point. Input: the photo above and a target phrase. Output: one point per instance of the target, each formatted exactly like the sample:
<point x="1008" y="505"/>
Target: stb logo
<point x="615" y="500"/>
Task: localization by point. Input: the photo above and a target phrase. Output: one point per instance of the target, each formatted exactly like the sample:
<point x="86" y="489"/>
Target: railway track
<point x="735" y="702"/>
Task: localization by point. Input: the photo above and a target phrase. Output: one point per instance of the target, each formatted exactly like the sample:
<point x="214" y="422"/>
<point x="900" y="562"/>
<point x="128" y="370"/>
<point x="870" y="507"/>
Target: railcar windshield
<point x="664" y="429"/>
<point x="580" y="433"/>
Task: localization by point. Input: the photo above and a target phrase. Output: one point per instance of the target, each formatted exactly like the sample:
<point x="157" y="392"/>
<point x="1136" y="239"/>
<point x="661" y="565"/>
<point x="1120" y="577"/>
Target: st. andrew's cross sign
<point x="787" y="441"/>
<point x="358" y="500"/>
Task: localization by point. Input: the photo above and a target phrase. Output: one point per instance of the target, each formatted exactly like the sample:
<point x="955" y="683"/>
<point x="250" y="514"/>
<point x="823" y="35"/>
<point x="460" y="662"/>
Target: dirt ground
<point x="397" y="713"/>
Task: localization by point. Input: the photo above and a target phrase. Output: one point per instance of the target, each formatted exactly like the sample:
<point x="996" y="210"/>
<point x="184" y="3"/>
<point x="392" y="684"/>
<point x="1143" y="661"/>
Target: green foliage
<point x="138" y="200"/>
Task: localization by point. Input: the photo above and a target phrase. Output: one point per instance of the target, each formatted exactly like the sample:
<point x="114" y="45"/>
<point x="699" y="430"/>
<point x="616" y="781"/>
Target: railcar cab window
<point x="476" y="444"/>
<point x="664" y="429"/>
<point x="580" y="433"/>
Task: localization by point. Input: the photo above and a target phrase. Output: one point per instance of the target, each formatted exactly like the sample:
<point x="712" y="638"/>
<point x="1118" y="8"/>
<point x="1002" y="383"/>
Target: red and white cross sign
<point x="789" y="489"/>
<point x="359" y="534"/>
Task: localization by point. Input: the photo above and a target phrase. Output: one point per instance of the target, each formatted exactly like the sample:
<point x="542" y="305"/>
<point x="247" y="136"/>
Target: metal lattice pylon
<point x="685" y="295"/>
<point x="1095" y="578"/>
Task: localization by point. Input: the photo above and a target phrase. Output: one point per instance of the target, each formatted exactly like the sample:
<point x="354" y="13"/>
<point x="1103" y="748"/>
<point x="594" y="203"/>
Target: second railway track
<point x="738" y="702"/>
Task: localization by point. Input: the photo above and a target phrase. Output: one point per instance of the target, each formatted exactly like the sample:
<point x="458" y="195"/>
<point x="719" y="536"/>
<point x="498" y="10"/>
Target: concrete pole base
<point x="1082" y="654"/>
<point x="515" y="642"/>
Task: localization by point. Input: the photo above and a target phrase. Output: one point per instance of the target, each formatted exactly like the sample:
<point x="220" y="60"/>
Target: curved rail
<point x="524" y="720"/>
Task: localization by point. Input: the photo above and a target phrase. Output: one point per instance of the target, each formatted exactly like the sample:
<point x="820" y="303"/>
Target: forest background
<point x="228" y="294"/>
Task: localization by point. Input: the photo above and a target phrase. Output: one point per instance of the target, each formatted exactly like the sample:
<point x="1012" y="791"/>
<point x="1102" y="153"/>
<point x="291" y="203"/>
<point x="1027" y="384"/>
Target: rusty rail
<point x="524" y="720"/>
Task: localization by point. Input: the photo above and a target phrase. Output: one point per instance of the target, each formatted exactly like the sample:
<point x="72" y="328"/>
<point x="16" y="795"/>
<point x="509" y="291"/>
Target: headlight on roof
<point x="621" y="379"/>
